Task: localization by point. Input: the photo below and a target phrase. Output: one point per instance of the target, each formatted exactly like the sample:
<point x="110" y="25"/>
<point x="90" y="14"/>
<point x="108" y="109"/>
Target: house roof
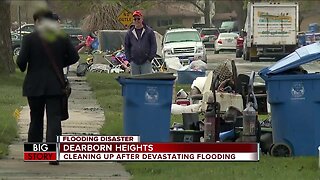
<point x="225" y="16"/>
<point x="172" y="9"/>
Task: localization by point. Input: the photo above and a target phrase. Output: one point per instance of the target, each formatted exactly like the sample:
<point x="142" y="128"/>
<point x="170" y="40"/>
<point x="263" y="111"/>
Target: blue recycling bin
<point x="187" y="77"/>
<point x="147" y="106"/>
<point x="302" y="40"/>
<point x="294" y="98"/>
<point x="314" y="27"/>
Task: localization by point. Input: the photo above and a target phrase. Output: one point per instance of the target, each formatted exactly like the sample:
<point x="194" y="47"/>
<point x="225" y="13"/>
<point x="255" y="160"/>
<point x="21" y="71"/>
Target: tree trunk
<point x="206" y="13"/>
<point x="241" y="13"/>
<point x="6" y="59"/>
<point x="301" y="18"/>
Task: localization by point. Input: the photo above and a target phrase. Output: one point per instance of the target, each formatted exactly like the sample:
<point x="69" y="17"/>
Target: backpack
<point x="82" y="69"/>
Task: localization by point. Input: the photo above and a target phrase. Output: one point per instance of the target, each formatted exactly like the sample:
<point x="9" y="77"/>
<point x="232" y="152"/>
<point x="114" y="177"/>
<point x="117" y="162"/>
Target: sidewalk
<point x="86" y="117"/>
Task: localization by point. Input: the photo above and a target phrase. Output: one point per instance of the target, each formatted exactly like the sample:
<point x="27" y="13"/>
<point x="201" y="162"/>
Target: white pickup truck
<point x="270" y="30"/>
<point x="184" y="43"/>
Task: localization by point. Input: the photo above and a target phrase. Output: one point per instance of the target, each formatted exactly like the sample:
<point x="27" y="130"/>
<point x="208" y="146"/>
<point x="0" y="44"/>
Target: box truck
<point x="270" y="30"/>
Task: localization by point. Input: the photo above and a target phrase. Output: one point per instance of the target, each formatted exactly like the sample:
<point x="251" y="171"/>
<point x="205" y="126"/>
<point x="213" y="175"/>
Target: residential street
<point x="245" y="67"/>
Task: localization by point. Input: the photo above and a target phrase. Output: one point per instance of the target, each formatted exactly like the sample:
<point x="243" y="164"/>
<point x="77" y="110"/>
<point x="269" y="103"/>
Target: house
<point x="308" y="19"/>
<point x="164" y="15"/>
<point x="220" y="17"/>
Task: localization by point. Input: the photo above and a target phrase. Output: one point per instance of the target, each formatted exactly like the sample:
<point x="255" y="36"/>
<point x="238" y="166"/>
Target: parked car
<point x="25" y="29"/>
<point x="15" y="43"/>
<point x="225" y="41"/>
<point x="198" y="26"/>
<point x="75" y="34"/>
<point x="239" y="47"/>
<point x="208" y="36"/>
<point x="229" y="26"/>
<point x="184" y="43"/>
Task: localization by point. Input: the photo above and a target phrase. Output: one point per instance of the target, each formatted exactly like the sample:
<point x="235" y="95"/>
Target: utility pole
<point x="19" y="19"/>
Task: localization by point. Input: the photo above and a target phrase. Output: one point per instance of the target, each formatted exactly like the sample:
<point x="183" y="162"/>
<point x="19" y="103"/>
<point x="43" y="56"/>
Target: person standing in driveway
<point x="140" y="46"/>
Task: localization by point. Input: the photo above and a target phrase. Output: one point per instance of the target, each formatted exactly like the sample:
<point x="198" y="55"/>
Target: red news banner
<point x="128" y="148"/>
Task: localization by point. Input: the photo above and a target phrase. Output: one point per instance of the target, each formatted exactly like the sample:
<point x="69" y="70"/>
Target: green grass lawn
<point x="268" y="168"/>
<point x="108" y="93"/>
<point x="10" y="100"/>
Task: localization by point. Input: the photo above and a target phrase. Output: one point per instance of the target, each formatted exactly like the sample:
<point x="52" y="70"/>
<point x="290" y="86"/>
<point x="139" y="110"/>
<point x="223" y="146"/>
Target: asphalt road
<point x="245" y="67"/>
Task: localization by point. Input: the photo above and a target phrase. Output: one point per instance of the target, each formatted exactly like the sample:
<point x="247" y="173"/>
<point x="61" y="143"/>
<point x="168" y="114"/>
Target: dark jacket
<point x="140" y="50"/>
<point x="41" y="78"/>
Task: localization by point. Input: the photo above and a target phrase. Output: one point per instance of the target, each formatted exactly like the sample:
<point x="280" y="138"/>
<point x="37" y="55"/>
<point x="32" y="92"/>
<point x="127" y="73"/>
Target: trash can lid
<point x="152" y="76"/>
<point x="300" y="56"/>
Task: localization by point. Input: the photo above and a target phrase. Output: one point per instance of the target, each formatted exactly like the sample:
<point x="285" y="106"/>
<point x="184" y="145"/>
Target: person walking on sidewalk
<point x="41" y="85"/>
<point x="140" y="46"/>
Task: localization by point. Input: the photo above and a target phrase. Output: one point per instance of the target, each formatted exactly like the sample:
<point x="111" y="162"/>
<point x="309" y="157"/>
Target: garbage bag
<point x="198" y="65"/>
<point x="101" y="68"/>
<point x="173" y="63"/>
<point x="185" y="68"/>
<point x="82" y="69"/>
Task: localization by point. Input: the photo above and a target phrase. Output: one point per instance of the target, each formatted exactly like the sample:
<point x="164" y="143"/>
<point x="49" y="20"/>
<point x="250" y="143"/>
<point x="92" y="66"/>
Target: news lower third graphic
<point x="40" y="152"/>
<point x="128" y="148"/>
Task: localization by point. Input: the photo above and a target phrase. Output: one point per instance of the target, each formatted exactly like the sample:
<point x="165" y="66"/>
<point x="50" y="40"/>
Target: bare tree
<point x="6" y="59"/>
<point x="105" y="14"/>
<point x="204" y="6"/>
<point x="72" y="10"/>
<point x="240" y="11"/>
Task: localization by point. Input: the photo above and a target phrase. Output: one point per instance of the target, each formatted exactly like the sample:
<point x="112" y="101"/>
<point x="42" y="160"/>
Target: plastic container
<point x="227" y="135"/>
<point x="295" y="102"/>
<point x="249" y="121"/>
<point x="147" y="106"/>
<point x="187" y="77"/>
